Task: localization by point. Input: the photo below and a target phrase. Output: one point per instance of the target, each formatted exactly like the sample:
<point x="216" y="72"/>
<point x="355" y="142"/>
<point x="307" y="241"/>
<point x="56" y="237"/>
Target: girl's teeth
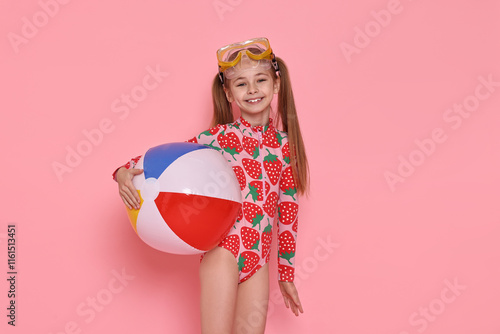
<point x="254" y="100"/>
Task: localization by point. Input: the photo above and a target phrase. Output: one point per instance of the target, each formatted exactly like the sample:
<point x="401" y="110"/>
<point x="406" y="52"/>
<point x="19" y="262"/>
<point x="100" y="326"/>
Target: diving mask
<point x="237" y="57"/>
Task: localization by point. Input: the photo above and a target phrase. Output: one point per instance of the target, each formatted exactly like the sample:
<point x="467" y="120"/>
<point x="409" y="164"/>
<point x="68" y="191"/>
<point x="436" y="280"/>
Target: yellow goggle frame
<point x="260" y="43"/>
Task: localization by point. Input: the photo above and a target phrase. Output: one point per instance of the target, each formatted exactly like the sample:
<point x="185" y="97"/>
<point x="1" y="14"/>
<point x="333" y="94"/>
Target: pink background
<point x="372" y="258"/>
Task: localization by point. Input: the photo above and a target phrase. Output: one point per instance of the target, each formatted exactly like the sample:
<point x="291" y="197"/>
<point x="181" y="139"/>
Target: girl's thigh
<point x="219" y="285"/>
<point x="252" y="302"/>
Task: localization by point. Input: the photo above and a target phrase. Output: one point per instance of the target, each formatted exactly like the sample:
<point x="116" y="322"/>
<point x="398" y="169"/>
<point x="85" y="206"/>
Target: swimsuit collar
<point x="244" y="124"/>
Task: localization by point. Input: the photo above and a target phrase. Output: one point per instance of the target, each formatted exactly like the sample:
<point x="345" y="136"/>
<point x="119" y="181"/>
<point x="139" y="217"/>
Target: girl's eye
<point x="261" y="80"/>
<point x="240" y="84"/>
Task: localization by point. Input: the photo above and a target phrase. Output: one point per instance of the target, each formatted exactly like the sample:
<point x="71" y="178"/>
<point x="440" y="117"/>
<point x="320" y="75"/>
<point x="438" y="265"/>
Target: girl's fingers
<point x="295" y="304"/>
<point x="129" y="198"/>
<point x="296" y="301"/>
<point x="287" y="304"/>
<point x="133" y="195"/>
<point x="126" y="194"/>
<point x="126" y="203"/>
<point x="294" y="309"/>
<point x="137" y="198"/>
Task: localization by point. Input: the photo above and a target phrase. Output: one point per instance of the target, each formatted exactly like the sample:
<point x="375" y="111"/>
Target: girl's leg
<point x="219" y="284"/>
<point x="252" y="302"/>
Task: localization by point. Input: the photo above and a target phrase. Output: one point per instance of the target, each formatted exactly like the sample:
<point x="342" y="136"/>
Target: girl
<point x="271" y="167"/>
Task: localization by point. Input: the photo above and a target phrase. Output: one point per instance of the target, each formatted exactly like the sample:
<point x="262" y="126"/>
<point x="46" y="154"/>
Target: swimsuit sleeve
<point x="209" y="137"/>
<point x="288" y="208"/>
<point x="130" y="164"/>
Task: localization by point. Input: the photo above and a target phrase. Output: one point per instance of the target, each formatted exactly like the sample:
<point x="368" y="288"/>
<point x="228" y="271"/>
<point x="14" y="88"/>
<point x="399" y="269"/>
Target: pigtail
<point x="223" y="112"/>
<point x="290" y="123"/>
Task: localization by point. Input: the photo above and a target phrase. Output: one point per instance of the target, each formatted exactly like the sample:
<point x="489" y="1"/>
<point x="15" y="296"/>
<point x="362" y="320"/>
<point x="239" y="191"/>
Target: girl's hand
<point x="291" y="297"/>
<point x="128" y="193"/>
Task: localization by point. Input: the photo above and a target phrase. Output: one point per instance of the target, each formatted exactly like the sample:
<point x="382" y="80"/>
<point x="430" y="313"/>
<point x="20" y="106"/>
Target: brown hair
<point x="287" y="115"/>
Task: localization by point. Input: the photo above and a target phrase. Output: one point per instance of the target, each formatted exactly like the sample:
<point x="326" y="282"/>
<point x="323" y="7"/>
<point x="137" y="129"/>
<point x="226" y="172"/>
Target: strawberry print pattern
<point x="240" y="175"/>
<point x="273" y="167"/>
<point x="286" y="153"/>
<point x="250" y="238"/>
<point x="229" y="142"/>
<point x="253" y="168"/>
<point x="260" y="158"/>
<point x="232" y="243"/>
<point x="287" y="183"/>
<point x="256" y="191"/>
<point x="267" y="236"/>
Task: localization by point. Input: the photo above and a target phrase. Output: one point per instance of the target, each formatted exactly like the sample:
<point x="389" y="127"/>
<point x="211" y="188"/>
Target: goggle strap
<point x="221" y="76"/>
<point x="275" y="65"/>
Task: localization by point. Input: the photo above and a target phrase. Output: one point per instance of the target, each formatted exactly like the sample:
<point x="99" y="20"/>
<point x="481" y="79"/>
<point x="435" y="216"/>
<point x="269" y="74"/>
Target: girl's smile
<point x="255" y="100"/>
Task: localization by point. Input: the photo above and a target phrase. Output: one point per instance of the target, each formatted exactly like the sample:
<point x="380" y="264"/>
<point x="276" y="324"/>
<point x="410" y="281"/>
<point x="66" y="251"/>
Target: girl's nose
<point x="252" y="89"/>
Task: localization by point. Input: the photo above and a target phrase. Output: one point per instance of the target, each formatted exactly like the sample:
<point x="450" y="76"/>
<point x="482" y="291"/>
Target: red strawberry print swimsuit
<point x="260" y="158"/>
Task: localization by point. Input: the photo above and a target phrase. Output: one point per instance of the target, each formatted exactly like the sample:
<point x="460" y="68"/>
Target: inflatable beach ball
<point x="190" y="198"/>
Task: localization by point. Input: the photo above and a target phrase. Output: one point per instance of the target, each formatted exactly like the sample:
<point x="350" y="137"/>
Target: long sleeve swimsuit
<point x="260" y="158"/>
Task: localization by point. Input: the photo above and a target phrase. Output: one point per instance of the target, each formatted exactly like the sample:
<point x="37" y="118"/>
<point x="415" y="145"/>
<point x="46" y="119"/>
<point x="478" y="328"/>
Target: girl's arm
<point x="288" y="208"/>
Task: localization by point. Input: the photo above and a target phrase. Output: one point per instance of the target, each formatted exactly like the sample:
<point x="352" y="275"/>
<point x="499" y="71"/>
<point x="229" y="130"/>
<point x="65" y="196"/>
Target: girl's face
<point x="253" y="90"/>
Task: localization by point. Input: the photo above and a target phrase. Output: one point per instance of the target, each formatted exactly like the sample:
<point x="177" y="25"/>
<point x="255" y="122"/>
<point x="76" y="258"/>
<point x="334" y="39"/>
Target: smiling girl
<point x="269" y="160"/>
